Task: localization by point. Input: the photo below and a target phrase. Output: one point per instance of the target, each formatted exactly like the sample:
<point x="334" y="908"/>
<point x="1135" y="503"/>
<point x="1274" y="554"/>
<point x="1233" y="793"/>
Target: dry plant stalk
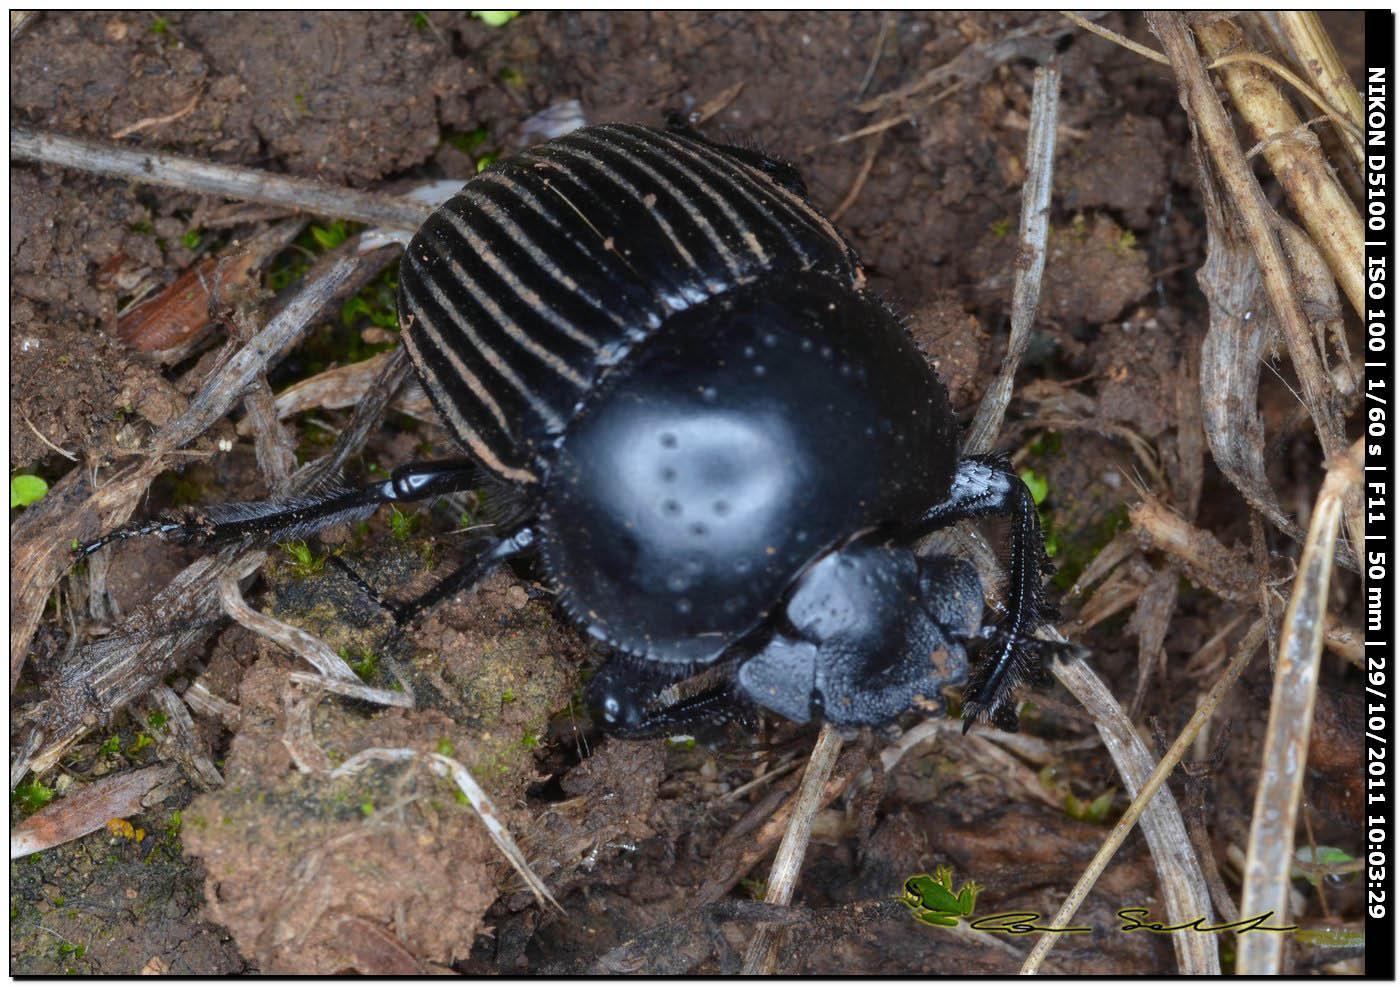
<point x="41" y="538"/>
<point x="106" y="674"/>
<point x="1242" y="189"/>
<point x="208" y="178"/>
<point x="1295" y="157"/>
<point x="762" y="955"/>
<point x="1030" y="258"/>
<point x="1270" y="855"/>
<point x="1258" y="222"/>
<point x="1185" y="895"/>
<point x="1204" y="711"/>
<point x="1313" y="50"/>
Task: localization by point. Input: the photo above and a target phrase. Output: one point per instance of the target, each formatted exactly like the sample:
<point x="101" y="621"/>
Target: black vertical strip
<point x="1376" y="89"/>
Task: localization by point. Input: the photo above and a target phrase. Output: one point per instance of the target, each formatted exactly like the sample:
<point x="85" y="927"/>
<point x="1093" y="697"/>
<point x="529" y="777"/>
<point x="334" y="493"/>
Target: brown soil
<point x="385" y="872"/>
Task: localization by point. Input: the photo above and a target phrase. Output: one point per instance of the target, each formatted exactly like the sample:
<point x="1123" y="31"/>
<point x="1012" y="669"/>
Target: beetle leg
<point x="636" y="700"/>
<point x="982" y="485"/>
<point x="271" y="521"/>
<point x="492" y="553"/>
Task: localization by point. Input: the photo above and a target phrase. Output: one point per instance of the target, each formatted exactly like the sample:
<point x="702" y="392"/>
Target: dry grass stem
<point x="1030" y="261"/>
<point x="207" y="178"/>
<point x="761" y="957"/>
<point x="1115" y="37"/>
<point x="1300" y="166"/>
<point x="103" y="676"/>
<point x="1275" y="817"/>
<point x="1204" y="711"/>
<point x="1185" y="894"/>
<point x="1314" y="51"/>
<point x="1241" y="187"/>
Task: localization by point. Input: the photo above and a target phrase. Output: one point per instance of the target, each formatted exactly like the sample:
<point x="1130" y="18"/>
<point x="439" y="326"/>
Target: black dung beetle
<point x="720" y="446"/>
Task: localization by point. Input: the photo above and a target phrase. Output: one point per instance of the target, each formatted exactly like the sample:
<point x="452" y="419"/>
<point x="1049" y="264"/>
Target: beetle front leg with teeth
<point x="982" y="485"/>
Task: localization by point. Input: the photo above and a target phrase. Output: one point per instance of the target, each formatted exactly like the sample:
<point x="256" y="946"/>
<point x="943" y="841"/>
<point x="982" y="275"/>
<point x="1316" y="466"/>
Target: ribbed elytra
<point x="521" y="292"/>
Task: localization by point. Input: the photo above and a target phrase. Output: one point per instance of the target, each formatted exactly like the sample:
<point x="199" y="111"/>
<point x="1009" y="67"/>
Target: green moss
<point x="302" y="562"/>
<point x="32" y="795"/>
<point x="366" y="666"/>
<point x="403" y="524"/>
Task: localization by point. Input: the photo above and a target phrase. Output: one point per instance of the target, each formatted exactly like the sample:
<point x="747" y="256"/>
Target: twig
<point x="1030" y="260"/>
<point x="874" y="128"/>
<point x="761" y="957"/>
<point x="233" y="381"/>
<point x="861" y="177"/>
<point x="1270" y="853"/>
<point x="886" y="22"/>
<point x="40" y="435"/>
<point x="159" y="121"/>
<point x="207" y="178"/>
<point x="106" y="674"/>
<point x="1185" y="896"/>
<point x="1099" y="863"/>
<point x="1115" y="37"/>
<point x="1350" y="129"/>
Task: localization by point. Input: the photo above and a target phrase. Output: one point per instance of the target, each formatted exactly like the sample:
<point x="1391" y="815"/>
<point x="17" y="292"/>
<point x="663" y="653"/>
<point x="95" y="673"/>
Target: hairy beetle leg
<point x="270" y="521"/>
<point x="491" y="552"/>
<point x="982" y="485"/>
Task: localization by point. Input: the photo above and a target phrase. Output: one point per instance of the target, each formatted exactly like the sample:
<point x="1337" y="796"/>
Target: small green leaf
<point x="191" y="238"/>
<point x="1037" y="484"/>
<point x="26" y="489"/>
<point x="496" y="18"/>
<point x="328" y="239"/>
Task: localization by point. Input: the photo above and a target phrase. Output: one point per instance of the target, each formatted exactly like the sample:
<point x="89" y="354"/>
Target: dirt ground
<point x="282" y="867"/>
